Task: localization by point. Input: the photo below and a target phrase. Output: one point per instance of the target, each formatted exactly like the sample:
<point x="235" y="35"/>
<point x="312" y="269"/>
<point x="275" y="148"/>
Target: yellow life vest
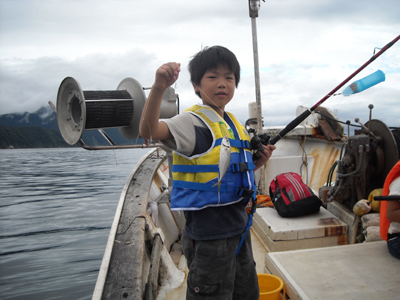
<point x="194" y="177"/>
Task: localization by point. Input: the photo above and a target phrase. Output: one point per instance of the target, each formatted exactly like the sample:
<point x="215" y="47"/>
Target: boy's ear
<point x="196" y="88"/>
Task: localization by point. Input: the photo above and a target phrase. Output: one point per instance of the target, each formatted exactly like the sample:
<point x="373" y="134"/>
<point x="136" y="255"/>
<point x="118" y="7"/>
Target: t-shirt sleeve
<point x="395" y="187"/>
<point x="183" y="132"/>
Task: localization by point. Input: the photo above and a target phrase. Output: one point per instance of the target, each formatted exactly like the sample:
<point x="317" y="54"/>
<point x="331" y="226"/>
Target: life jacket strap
<point x="198" y="186"/>
<point x="249" y="223"/>
<point x="242" y="167"/>
<point x="242" y="192"/>
<point x="195" y="168"/>
<point x="242" y="144"/>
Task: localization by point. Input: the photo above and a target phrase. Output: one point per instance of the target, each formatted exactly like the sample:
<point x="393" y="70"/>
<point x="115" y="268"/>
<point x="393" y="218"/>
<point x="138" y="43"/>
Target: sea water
<point x="56" y="210"/>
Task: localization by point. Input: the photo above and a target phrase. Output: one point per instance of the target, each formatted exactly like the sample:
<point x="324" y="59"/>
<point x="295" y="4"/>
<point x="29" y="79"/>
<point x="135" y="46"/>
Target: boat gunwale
<point x="102" y="276"/>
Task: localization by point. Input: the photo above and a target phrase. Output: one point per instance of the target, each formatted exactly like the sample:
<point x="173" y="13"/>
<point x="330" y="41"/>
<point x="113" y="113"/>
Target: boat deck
<point x="361" y="271"/>
<point x="321" y="229"/>
<point x="357" y="271"/>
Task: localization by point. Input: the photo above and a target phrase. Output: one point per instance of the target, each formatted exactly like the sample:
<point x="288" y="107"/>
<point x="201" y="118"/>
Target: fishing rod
<point x="306" y="113"/>
<point x="387" y="198"/>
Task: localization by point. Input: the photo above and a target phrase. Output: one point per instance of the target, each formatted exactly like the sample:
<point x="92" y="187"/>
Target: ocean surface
<point x="56" y="210"/>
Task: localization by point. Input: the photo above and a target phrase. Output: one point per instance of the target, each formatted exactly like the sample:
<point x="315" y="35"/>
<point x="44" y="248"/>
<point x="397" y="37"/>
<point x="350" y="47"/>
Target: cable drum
<point x="105" y="109"/>
<point x="79" y="110"/>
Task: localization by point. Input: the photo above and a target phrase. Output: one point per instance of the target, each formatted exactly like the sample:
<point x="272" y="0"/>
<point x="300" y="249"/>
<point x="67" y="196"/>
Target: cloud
<point x="306" y="48"/>
<point x="27" y="84"/>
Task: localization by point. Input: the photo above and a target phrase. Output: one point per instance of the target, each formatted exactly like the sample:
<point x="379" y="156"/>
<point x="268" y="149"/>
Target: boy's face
<point x="217" y="88"/>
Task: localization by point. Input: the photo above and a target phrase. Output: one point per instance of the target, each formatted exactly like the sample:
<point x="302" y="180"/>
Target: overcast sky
<point x="306" y="48"/>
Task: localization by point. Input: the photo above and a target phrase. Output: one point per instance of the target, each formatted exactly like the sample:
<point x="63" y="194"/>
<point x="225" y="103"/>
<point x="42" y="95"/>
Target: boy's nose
<point x="221" y="84"/>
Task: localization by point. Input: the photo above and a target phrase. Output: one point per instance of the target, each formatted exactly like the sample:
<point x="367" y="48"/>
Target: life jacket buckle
<point x="245" y="144"/>
<point x="242" y="192"/>
<point x="239" y="167"/>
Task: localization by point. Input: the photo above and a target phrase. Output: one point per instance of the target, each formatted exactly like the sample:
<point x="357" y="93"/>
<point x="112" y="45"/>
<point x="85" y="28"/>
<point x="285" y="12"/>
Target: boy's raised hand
<point x="166" y="75"/>
<point x="150" y="126"/>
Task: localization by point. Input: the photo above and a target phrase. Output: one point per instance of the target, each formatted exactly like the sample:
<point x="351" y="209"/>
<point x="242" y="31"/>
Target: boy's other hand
<point x="166" y="75"/>
<point x="264" y="155"/>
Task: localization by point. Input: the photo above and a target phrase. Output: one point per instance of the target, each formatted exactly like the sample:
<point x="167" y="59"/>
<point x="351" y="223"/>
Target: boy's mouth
<point x="221" y="94"/>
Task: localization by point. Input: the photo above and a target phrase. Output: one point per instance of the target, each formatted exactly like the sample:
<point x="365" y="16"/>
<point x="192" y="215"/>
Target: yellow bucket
<point x="270" y="287"/>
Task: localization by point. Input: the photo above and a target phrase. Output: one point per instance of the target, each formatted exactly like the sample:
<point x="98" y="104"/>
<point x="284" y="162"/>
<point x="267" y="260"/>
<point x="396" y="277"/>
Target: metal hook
<point x="376" y="49"/>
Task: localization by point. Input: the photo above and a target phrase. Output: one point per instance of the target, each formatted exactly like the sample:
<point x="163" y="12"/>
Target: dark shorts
<point x="394" y="247"/>
<point x="215" y="272"/>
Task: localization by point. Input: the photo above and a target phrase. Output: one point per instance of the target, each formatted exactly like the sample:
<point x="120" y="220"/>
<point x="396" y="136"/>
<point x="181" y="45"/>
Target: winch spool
<point x="79" y="110"/>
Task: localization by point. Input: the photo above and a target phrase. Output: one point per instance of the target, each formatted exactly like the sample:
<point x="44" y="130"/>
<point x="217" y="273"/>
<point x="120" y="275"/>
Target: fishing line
<point x="144" y="111"/>
<point x="204" y="93"/>
<point x="306" y="113"/>
<point x="115" y="158"/>
<point x="388" y="67"/>
<point x="148" y="124"/>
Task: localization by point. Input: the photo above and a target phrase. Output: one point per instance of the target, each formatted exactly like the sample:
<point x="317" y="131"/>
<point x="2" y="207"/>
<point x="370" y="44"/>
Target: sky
<point x="306" y="48"/>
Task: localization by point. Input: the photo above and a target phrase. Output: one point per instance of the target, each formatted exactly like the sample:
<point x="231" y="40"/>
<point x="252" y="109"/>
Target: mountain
<point x="44" y="117"/>
<point x="40" y="130"/>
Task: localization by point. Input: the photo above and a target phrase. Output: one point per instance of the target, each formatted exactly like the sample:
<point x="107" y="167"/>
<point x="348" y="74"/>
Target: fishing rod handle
<point x="387" y="198"/>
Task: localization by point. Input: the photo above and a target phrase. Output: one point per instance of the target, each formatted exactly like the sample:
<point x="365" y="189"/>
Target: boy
<point x="390" y="212"/>
<point x="216" y="217"/>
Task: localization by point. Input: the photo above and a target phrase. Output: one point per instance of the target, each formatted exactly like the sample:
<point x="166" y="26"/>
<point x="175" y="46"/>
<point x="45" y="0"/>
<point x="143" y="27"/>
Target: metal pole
<point x="258" y="95"/>
<point x="256" y="74"/>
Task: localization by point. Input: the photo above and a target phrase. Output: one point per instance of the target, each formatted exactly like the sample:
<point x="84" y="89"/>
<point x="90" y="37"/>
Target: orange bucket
<point x="270" y="287"/>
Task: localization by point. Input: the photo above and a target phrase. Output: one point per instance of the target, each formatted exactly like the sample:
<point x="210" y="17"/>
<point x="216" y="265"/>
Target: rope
<point x="304" y="156"/>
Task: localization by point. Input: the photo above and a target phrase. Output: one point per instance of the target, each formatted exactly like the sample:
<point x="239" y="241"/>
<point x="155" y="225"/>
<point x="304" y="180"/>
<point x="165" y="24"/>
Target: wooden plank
<point x="328" y="131"/>
<point x="130" y="259"/>
<point x="151" y="287"/>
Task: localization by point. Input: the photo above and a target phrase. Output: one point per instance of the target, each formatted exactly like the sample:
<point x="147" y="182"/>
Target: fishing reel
<point x="257" y="142"/>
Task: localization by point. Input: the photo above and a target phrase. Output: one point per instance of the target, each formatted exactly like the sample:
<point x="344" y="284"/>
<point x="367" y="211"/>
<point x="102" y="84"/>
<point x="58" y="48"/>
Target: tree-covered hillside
<point x="30" y="137"/>
<point x="40" y="130"/>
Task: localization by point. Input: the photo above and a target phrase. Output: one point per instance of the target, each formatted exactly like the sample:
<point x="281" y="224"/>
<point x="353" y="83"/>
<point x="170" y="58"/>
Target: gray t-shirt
<point x="186" y="129"/>
<point x="192" y="137"/>
<point x="394" y="190"/>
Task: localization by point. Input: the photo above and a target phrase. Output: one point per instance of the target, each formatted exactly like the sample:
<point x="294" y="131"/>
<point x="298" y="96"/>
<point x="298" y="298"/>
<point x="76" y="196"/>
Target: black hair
<point x="210" y="58"/>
